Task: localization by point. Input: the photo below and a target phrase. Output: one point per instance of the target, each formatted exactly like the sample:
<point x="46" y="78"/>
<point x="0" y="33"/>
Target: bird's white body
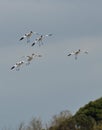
<point x="76" y="53"/>
<point x="30" y="58"/>
<point x="17" y="65"/>
<point x="39" y="40"/>
<point x="28" y="36"/>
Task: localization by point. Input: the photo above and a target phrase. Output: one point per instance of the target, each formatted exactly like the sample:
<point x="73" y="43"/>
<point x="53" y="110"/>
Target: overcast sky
<point x="54" y="82"/>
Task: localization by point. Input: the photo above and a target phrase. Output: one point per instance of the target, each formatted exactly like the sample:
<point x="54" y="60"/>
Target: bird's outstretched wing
<point x="36" y="40"/>
<point x="72" y="53"/>
<point x="17" y="65"/>
<point x="12" y="67"/>
<point x="22" y="38"/>
<point x="86" y="52"/>
<point x="48" y="35"/>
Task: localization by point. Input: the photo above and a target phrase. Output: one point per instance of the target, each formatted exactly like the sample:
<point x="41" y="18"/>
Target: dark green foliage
<point x="88" y="117"/>
<point x="93" y="109"/>
<point x="84" y="122"/>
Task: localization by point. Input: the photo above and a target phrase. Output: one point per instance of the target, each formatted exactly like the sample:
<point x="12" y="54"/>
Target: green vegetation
<point x="88" y="117"/>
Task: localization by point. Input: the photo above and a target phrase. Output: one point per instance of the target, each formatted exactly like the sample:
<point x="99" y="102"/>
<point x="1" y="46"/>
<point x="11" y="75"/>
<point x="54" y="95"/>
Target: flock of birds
<point x="39" y="41"/>
<point x="29" y="58"/>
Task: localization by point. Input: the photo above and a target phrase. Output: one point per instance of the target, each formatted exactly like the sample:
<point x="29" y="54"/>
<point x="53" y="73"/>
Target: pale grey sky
<point x="54" y="82"/>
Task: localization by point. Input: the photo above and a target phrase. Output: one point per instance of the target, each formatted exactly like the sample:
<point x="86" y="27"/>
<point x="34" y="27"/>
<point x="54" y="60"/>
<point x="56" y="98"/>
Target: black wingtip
<point x="69" y="55"/>
<point x="12" y="68"/>
<point x="33" y="44"/>
<point x="21" y="38"/>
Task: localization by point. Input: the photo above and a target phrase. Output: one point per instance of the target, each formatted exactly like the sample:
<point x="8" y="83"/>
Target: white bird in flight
<point x="76" y="53"/>
<point x="17" y="65"/>
<point x="30" y="58"/>
<point x="27" y="36"/>
<point x="39" y="40"/>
